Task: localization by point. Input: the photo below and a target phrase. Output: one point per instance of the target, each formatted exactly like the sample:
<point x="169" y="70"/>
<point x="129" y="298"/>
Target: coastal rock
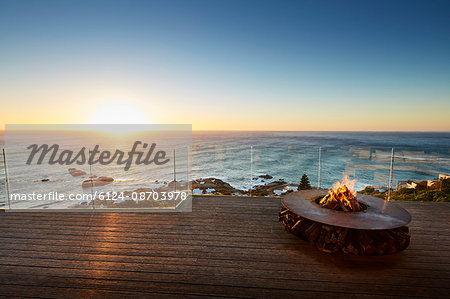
<point x="218" y="187"/>
<point x="266" y="176"/>
<point x="214" y="186"/>
<point x="76" y="172"/>
<point x="105" y="179"/>
<point x="101" y="181"/>
<point x="276" y="188"/>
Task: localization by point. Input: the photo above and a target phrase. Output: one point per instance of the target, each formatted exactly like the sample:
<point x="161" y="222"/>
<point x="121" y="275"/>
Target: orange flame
<point x="345" y="182"/>
<point x="342" y="196"/>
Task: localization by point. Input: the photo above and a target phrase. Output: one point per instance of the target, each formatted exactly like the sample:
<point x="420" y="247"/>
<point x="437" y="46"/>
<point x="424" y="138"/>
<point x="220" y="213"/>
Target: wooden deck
<point x="227" y="246"/>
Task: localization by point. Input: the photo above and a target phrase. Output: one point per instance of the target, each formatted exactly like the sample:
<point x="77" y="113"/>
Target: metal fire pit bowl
<point x="379" y="215"/>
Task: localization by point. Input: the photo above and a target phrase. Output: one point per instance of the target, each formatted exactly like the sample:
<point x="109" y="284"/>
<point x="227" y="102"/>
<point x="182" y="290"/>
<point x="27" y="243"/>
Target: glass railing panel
<point x="224" y="170"/>
<point x="3" y="187"/>
<point x="159" y="185"/>
<point x="278" y="170"/>
<point x="426" y="163"/>
<point x="369" y="166"/>
<point x="181" y="187"/>
<point x="420" y="173"/>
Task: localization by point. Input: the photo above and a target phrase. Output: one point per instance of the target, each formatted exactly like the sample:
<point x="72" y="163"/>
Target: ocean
<point x="239" y="158"/>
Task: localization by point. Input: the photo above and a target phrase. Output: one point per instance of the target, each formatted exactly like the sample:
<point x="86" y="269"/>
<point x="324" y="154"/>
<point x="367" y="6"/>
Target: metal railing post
<point x="174" y="172"/>
<point x="92" y="179"/>
<point x="391" y="174"/>
<point x="188" y="180"/>
<point x="319" y="168"/>
<point x="6" y="179"/>
<point x="251" y="169"/>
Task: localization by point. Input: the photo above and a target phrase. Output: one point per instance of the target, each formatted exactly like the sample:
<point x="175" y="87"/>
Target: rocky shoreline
<point x="264" y="186"/>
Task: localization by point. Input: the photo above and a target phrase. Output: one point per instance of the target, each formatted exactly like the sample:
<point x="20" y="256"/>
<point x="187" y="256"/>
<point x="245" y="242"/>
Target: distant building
<point x="423" y="185"/>
<point x="429" y="185"/>
<point x="408" y="185"/>
<point x="431" y="182"/>
<point x="444" y="176"/>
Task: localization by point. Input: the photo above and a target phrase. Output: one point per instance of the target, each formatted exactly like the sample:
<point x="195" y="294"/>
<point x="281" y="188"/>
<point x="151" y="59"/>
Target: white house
<point x="444" y="176"/>
<point x="407" y="185"/>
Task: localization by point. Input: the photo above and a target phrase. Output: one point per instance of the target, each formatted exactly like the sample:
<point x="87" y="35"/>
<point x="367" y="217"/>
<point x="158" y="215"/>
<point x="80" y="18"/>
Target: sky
<point x="228" y="65"/>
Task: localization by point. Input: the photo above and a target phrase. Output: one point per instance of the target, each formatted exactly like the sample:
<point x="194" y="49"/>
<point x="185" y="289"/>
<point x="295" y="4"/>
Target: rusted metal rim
<point x="380" y="214"/>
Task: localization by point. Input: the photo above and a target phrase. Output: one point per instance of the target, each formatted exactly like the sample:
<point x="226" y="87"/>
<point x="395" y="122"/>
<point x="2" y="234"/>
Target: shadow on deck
<point x="228" y="246"/>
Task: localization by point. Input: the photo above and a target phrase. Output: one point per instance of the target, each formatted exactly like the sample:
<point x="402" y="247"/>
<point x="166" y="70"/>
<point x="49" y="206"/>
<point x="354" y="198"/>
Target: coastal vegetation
<point x="419" y="193"/>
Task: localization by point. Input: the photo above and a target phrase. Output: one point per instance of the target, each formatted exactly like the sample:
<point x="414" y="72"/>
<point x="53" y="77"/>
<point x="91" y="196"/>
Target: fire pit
<point x="340" y="220"/>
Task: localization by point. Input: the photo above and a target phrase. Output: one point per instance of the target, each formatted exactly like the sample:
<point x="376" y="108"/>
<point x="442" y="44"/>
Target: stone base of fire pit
<point x="346" y="237"/>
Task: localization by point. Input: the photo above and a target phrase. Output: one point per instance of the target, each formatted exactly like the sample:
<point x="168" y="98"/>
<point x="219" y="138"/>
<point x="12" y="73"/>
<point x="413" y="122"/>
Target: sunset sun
<point x="116" y="115"/>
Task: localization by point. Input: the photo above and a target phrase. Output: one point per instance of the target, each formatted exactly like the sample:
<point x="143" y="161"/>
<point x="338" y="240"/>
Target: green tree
<point x="304" y="183"/>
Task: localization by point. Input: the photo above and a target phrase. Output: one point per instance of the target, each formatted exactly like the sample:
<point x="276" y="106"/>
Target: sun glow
<point x="118" y="114"/>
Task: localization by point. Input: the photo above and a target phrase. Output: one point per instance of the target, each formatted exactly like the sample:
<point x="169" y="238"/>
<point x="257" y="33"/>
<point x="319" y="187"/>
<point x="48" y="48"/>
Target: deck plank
<point x="228" y="246"/>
